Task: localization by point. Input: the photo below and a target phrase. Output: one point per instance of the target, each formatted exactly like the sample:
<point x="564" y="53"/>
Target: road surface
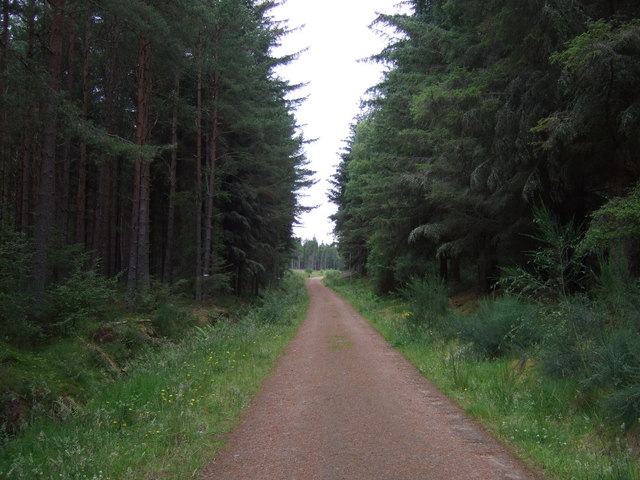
<point x="341" y="404"/>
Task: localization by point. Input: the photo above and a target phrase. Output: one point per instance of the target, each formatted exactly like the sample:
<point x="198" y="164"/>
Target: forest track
<point x="342" y="404"/>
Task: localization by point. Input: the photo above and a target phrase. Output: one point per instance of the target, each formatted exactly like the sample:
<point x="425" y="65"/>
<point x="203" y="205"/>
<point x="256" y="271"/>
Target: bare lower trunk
<point x="138" y="274"/>
<point x="81" y="197"/>
<point x="198" y="206"/>
<point x="65" y="172"/>
<point x="104" y="237"/>
<point x="207" y="267"/>
<point x="4" y="157"/>
<point x="46" y="194"/>
<point x="166" y="271"/>
<point x="26" y="196"/>
<point x="211" y="180"/>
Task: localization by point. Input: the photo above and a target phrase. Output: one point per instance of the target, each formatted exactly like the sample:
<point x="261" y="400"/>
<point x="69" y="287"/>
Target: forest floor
<point x="342" y="404"/>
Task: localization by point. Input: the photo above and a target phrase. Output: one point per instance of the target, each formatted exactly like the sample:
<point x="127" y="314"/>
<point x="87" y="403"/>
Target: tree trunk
<point x="487" y="268"/>
<point x="138" y="273"/>
<point x="27" y="137"/>
<point x="81" y="196"/>
<point x="211" y="181"/>
<point x="46" y="195"/>
<point x="65" y="173"/>
<point x="25" y="189"/>
<point x="166" y="271"/>
<point x="444" y="273"/>
<point x="455" y="270"/>
<point x="4" y="158"/>
<point x="104" y="237"/>
<point x="198" y="206"/>
<point x="207" y="268"/>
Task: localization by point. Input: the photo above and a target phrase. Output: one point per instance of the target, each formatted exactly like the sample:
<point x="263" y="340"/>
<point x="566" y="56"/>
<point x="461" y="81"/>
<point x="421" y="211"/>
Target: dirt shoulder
<point x="342" y="404"/>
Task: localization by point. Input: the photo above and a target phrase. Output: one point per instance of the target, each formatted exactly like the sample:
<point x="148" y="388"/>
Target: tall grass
<point x="168" y="416"/>
<point x="546" y="419"/>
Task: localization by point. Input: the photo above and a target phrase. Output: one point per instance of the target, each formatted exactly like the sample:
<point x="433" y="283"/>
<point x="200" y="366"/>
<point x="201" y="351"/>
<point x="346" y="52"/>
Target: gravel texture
<point x="342" y="404"/>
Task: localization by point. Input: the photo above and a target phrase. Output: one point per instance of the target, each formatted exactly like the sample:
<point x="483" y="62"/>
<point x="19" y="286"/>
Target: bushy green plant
<point x="428" y="300"/>
<point x="502" y="326"/>
<point x="275" y="303"/>
<point x="82" y="298"/>
<point x="408" y="266"/>
<point x="573" y="330"/>
<point x="171" y="321"/>
<point x="616" y="221"/>
<point x="615" y="289"/>
<point x="615" y="368"/>
<point x="556" y="267"/>
<point x="16" y="306"/>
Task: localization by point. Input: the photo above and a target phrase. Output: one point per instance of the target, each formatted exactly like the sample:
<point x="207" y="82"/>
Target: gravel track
<point x="341" y="404"/>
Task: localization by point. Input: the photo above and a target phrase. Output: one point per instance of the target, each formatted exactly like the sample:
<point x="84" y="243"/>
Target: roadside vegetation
<point x="141" y="397"/>
<point x="556" y="382"/>
<point x="491" y="197"/>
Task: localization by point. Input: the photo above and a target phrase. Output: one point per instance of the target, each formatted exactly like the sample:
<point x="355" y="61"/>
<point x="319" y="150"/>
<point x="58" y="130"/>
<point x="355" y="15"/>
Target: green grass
<point x="171" y="411"/>
<point x="544" y="420"/>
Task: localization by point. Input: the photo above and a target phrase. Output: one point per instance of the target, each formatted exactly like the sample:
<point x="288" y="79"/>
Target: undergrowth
<point x="169" y="409"/>
<point x="572" y="419"/>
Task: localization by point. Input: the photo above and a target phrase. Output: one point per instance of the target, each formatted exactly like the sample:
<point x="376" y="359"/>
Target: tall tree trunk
<point x="81" y="195"/>
<point x="207" y="267"/>
<point x="455" y="270"/>
<point x="444" y="273"/>
<point x="4" y="158"/>
<point x="211" y="181"/>
<point x="166" y="271"/>
<point x="27" y="136"/>
<point x="25" y="187"/>
<point x="198" y="207"/>
<point x="138" y="273"/>
<point x="46" y="195"/>
<point x="64" y="173"/>
<point x="105" y="234"/>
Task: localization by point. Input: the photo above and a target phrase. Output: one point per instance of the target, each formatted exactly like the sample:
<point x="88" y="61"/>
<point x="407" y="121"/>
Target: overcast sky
<point x="337" y="36"/>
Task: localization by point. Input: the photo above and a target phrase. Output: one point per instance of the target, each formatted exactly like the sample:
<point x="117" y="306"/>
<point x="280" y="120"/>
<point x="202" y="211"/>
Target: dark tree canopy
<point x="488" y="109"/>
<point x="155" y="135"/>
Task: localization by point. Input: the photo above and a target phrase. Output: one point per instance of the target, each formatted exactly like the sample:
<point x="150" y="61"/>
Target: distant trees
<point x="489" y="109"/>
<point x="153" y="134"/>
<point x="312" y="255"/>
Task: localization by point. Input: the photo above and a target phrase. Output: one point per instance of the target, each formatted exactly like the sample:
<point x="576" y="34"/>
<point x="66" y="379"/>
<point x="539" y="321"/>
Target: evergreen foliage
<point x="487" y="110"/>
<point x="309" y="255"/>
<point x="174" y="148"/>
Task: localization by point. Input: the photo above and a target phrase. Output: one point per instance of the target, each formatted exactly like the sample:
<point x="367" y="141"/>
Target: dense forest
<point x="491" y="184"/>
<point x="489" y="112"/>
<point x="316" y="256"/>
<point x="143" y="141"/>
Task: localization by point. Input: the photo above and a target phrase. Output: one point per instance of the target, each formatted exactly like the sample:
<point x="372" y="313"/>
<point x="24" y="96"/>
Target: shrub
<point x="171" y="321"/>
<point x="428" y="301"/>
<point x="615" y="289"/>
<point x="407" y="267"/>
<point x="16" y="306"/>
<point x="502" y="326"/>
<point x="573" y="330"/>
<point x="82" y="298"/>
<point x="556" y="268"/>
<point x="615" y="368"/>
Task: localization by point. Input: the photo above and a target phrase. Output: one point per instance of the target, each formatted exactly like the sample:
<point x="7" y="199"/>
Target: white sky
<point x="337" y="35"/>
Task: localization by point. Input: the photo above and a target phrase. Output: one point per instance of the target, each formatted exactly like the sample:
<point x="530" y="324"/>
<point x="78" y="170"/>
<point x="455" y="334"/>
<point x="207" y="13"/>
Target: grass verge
<point x="543" y="420"/>
<point x="171" y="412"/>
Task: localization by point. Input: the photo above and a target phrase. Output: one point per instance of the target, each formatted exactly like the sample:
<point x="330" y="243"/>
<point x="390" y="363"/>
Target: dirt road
<point x="342" y="404"/>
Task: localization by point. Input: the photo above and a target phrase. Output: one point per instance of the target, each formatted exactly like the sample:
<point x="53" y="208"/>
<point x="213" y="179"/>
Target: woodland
<point x="149" y="156"/>
<point x="311" y="255"/>
<point x="142" y="143"/>
<point x="489" y="110"/>
<point x="497" y="160"/>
